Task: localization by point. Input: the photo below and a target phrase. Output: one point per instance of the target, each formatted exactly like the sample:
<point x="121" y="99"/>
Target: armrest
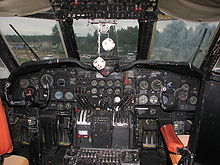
<point x="171" y="139"/>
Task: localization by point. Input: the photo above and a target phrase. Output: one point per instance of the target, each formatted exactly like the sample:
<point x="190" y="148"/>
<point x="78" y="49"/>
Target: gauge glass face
<point x="102" y="90"/>
<point x="143" y="99"/>
<point x="58" y="95"/>
<point x="117" y="91"/>
<point x="61" y="82"/>
<point x="94" y="83"/>
<point x="24" y="83"/>
<point x="185" y="87"/>
<point x="143" y="84"/>
<point x="69" y="95"/>
<point x="94" y="90"/>
<point x="109" y="83"/>
<point x="110" y="91"/>
<point x="153" y="99"/>
<point x="193" y="100"/>
<point x="183" y="95"/>
<point x="68" y="106"/>
<point x="102" y="83"/>
<point x="156" y="85"/>
<point x="117" y="83"/>
<point x="60" y="106"/>
<point x="165" y="100"/>
<point x="34" y="80"/>
<point x="46" y="79"/>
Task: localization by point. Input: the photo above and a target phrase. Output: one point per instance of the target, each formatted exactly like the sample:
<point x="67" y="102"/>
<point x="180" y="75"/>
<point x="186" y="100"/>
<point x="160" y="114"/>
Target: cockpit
<point x="103" y="85"/>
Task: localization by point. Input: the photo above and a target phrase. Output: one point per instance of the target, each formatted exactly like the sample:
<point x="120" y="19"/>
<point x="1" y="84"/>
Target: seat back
<point x="5" y="138"/>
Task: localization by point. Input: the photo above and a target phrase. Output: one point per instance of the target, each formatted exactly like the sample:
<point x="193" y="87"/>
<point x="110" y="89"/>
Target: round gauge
<point x="143" y="84"/>
<point x="153" y="99"/>
<point x="94" y="90"/>
<point x="109" y="83"/>
<point x="58" y="95"/>
<point x="110" y="91"/>
<point x="102" y="83"/>
<point x="60" y="106"/>
<point x="117" y="83"/>
<point x="165" y="100"/>
<point x="170" y="85"/>
<point x="102" y="90"/>
<point x="69" y="95"/>
<point x="94" y="83"/>
<point x="24" y="83"/>
<point x="117" y="99"/>
<point x="68" y="106"/>
<point x="46" y="79"/>
<point x="183" y="95"/>
<point x="61" y="82"/>
<point x="143" y="99"/>
<point x="193" y="100"/>
<point x="34" y="80"/>
<point x="117" y="91"/>
<point x="185" y="87"/>
<point x="156" y="85"/>
<point x="107" y="100"/>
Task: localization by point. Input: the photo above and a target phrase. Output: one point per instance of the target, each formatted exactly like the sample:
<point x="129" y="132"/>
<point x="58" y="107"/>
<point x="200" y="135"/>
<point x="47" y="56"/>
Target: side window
<point x="4" y="72"/>
<point x="217" y="67"/>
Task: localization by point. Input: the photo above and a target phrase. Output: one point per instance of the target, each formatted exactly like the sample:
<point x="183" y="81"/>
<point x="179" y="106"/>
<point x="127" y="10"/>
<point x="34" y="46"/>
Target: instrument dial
<point x="143" y="99"/>
<point x="102" y="83"/>
<point x="58" y="95"/>
<point x="46" y="79"/>
<point x="153" y="99"/>
<point x="117" y="83"/>
<point x="183" y="95"/>
<point x="61" y="82"/>
<point x="109" y="83"/>
<point x="94" y="83"/>
<point x="60" y="106"/>
<point x="185" y="87"/>
<point x="69" y="95"/>
<point x="165" y="100"/>
<point x="117" y="91"/>
<point x="94" y="90"/>
<point x="193" y="100"/>
<point x="156" y="85"/>
<point x="143" y="84"/>
<point x="24" y="83"/>
<point x="68" y="106"/>
<point x="110" y="91"/>
<point x="34" y="80"/>
<point x="102" y="90"/>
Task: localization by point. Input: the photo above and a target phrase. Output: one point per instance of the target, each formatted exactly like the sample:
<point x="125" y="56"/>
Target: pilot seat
<point x="6" y="142"/>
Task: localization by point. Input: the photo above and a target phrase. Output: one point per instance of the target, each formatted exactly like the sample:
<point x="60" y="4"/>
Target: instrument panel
<point x="77" y="88"/>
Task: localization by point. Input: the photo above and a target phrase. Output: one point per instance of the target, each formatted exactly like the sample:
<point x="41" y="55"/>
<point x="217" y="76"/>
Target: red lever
<point x="171" y="139"/>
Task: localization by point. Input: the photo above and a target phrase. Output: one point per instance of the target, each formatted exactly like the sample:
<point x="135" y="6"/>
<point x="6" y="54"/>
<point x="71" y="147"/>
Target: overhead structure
<point x="192" y="10"/>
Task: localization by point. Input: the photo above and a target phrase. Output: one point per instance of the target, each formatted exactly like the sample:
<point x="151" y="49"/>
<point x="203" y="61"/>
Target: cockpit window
<point x="124" y="33"/>
<point x="178" y="40"/>
<point x="42" y="36"/>
<point x="3" y="70"/>
<point x="172" y="40"/>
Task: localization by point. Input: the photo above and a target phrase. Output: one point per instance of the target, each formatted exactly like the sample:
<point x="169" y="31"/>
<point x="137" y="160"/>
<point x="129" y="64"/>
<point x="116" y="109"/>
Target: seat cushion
<point x="15" y="160"/>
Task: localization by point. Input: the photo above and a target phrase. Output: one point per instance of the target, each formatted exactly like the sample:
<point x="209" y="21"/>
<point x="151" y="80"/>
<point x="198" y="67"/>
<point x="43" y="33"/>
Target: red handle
<point x="171" y="139"/>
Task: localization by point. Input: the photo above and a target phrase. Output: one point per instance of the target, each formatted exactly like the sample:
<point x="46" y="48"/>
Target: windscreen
<point x="172" y="40"/>
<point x="41" y="35"/>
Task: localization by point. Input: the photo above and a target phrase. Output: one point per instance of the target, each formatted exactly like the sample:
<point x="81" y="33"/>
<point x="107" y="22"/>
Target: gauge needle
<point x="47" y="78"/>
